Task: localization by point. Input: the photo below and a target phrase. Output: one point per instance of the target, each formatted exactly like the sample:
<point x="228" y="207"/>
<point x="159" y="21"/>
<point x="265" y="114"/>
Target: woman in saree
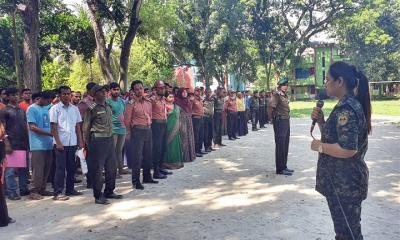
<point x="174" y="155"/>
<point x="185" y="125"/>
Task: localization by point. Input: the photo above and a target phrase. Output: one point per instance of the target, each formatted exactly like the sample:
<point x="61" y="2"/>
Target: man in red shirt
<point x="138" y="119"/>
<point x="26" y="95"/>
<point x="159" y="129"/>
<point x="231" y="110"/>
<point x="87" y="100"/>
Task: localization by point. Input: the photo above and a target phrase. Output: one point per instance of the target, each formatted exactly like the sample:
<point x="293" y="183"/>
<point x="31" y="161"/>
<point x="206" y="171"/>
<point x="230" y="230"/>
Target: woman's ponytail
<point x="357" y="84"/>
<point x="362" y="93"/>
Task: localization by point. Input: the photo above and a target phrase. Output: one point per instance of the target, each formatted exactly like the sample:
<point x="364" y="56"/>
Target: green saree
<point x="174" y="157"/>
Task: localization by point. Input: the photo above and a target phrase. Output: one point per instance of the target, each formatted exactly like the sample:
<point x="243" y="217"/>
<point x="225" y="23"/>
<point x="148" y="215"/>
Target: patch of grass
<point x="303" y="109"/>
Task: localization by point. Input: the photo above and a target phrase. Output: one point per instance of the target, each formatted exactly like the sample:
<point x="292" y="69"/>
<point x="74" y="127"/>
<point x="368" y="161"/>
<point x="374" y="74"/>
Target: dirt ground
<point x="230" y="194"/>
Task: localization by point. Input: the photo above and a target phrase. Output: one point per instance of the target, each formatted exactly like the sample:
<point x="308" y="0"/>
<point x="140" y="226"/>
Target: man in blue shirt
<point x="247" y="106"/>
<point x="40" y="143"/>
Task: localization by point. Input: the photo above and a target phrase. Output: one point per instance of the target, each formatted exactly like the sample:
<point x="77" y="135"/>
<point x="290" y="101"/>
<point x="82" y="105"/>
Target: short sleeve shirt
<point x="118" y="121"/>
<point x="39" y="115"/>
<point x="347" y="127"/>
<point x="66" y="117"/>
<point x="280" y="101"/>
<point x="15" y="125"/>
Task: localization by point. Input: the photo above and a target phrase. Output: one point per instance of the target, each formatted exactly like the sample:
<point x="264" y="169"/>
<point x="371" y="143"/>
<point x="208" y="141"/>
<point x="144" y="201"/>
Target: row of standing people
<point x="157" y="132"/>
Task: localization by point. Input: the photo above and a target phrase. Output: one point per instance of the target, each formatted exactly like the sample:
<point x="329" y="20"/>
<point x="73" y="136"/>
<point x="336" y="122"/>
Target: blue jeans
<point x="11" y="183"/>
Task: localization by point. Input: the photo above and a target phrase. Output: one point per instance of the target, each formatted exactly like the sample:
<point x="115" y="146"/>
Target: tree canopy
<point x="122" y="40"/>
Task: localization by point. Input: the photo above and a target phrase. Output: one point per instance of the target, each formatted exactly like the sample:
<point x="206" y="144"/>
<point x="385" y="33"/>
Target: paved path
<point x="232" y="194"/>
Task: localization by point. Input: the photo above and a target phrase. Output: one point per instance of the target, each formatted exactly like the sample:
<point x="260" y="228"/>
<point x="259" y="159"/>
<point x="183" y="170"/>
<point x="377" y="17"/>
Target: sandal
<point x="35" y="196"/>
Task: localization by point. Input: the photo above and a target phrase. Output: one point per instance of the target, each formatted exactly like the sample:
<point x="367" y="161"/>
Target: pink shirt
<point x="197" y="107"/>
<point x="159" y="109"/>
<point x="230" y="105"/>
<point x="84" y="104"/>
<point x="138" y="112"/>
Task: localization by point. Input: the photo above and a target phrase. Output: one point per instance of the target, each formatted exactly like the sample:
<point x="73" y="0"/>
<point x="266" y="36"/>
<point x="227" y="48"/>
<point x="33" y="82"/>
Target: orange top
<point x="2" y="106"/>
<point x="24" y="105"/>
<point x="138" y="112"/>
<point x="197" y="107"/>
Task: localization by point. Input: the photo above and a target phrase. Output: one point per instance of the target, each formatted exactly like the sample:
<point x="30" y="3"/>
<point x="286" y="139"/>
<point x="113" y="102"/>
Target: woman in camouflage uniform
<point x="342" y="175"/>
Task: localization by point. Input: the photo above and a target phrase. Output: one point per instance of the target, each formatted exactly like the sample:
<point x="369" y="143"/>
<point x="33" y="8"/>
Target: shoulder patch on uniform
<point x="92" y="105"/>
<point x="343" y="118"/>
<point x="132" y="101"/>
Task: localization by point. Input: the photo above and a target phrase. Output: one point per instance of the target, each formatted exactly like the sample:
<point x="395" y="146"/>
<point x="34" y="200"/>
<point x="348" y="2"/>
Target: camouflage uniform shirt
<point x="346" y="126"/>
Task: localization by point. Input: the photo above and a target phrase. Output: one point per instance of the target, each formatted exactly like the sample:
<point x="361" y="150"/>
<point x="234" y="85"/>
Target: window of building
<point x="323" y="77"/>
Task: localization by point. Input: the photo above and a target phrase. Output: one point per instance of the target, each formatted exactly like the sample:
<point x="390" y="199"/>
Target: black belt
<point x="197" y="116"/>
<point x="218" y="111"/>
<point x="281" y="118"/>
<point x="142" y="127"/>
<point x="159" y="120"/>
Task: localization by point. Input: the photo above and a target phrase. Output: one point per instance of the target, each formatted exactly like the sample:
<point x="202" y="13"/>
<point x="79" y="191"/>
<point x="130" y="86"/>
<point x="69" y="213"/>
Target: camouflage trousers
<point x="352" y="211"/>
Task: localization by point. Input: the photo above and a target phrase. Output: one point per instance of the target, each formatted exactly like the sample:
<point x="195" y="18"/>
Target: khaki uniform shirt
<point x="97" y="121"/>
<point x="280" y="103"/>
<point x="208" y="107"/>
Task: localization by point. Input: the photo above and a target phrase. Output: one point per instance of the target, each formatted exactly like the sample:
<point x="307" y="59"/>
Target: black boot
<point x="147" y="177"/>
<point x="157" y="174"/>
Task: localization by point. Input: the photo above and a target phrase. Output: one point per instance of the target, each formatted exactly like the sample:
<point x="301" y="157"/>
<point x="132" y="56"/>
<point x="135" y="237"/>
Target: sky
<point x="72" y="2"/>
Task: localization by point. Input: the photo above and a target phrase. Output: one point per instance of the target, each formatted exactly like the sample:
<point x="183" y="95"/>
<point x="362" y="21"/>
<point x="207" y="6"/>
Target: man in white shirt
<point x="65" y="121"/>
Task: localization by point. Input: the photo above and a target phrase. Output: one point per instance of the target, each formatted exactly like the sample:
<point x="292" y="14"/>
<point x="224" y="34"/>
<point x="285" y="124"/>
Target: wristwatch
<point x="320" y="149"/>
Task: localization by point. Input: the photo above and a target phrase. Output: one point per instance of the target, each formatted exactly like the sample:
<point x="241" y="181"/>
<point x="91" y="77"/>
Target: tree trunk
<point x="30" y="17"/>
<point x="17" y="61"/>
<point x="226" y="78"/>
<point x="104" y="58"/>
<point x="126" y="46"/>
<point x="269" y="72"/>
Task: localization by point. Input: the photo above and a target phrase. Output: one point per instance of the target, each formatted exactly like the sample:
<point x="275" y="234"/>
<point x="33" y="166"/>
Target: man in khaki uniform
<point x="279" y="110"/>
<point x="97" y="133"/>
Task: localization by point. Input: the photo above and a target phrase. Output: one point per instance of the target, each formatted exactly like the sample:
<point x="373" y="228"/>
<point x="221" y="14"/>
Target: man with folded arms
<point x="40" y="144"/>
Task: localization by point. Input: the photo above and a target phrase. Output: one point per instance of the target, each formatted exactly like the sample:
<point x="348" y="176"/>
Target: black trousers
<point x="198" y="131"/>
<point x="352" y="211"/>
<point x="159" y="137"/>
<point x="242" y="124"/>
<point x="208" y="132"/>
<point x="282" y="135"/>
<point x="262" y="116"/>
<point x="128" y="152"/>
<point x="218" y="126"/>
<point x="232" y="124"/>
<point x="141" y="152"/>
<point x="254" y="118"/>
<point x="65" y="161"/>
<point x="101" y="155"/>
